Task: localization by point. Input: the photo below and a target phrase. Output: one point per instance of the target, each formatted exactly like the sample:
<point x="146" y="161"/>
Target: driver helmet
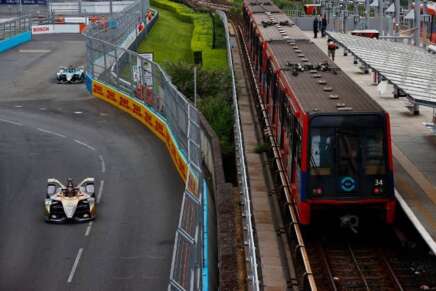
<point x="70" y="187"/>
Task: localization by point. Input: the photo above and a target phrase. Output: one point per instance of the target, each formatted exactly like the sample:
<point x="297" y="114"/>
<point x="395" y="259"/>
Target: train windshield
<point x="347" y="148"/>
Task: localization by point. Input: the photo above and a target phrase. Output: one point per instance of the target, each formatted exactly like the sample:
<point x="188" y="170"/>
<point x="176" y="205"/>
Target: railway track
<point x="208" y="5"/>
<point x="372" y="260"/>
<point x="349" y="267"/>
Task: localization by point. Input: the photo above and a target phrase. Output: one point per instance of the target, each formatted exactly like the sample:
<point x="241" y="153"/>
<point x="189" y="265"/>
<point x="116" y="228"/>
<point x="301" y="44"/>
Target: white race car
<point x="71" y="74"/>
<point x="69" y="203"/>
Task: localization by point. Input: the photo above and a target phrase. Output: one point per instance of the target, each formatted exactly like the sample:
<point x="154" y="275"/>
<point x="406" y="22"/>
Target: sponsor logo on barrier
<point x="56" y="28"/>
<point x="110" y="95"/>
<point x="97" y="89"/>
<point x="137" y="110"/>
<point x="40" y="29"/>
<point x="158" y="127"/>
<point x="124" y="102"/>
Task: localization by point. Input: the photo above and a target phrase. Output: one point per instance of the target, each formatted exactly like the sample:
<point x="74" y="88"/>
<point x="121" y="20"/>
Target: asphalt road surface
<point x="50" y="130"/>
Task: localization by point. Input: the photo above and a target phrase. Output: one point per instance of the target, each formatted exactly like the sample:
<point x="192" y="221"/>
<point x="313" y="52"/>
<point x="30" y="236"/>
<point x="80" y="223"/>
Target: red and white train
<point x="334" y="139"/>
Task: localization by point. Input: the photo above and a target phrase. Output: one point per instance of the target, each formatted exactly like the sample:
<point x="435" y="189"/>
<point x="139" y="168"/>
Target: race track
<point x="51" y="130"/>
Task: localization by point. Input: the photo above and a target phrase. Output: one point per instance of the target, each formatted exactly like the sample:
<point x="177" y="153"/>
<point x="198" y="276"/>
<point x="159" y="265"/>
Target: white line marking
<point x="100" y="191"/>
<point x="103" y="165"/>
<point x="85" y="144"/>
<point x="419" y="227"/>
<point x="35" y="51"/>
<point x="11" y="122"/>
<point x="51" y="132"/>
<point x="19" y="106"/>
<point x="76" y="262"/>
<point x="88" y="229"/>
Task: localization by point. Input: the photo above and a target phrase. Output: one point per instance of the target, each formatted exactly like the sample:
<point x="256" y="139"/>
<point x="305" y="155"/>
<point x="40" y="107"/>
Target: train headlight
<point x="317" y="191"/>
<point x="377" y="190"/>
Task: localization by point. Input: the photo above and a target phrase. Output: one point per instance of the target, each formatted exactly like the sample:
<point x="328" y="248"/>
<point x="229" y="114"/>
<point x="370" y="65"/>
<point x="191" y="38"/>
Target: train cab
<point x="349" y="163"/>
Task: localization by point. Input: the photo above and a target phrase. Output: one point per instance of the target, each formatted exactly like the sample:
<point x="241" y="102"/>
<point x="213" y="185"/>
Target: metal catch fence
<point x="110" y="61"/>
<point x="14" y="26"/>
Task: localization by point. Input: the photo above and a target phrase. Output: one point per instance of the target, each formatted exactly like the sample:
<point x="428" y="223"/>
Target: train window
<point x="348" y="148"/>
<point x="321" y="159"/>
<point x="372" y="151"/>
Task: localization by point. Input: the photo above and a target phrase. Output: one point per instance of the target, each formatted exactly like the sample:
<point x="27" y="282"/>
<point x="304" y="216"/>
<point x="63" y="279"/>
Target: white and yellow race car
<point x="69" y="203"/>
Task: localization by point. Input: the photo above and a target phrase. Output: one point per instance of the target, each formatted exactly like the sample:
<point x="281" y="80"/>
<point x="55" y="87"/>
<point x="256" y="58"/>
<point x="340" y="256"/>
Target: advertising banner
<point x="42" y="29"/>
<point x="149" y="119"/>
<point x="55" y="28"/>
<point x="148" y="76"/>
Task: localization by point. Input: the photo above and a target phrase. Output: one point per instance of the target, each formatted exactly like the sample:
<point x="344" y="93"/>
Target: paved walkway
<point x="272" y="268"/>
<point x="414" y="148"/>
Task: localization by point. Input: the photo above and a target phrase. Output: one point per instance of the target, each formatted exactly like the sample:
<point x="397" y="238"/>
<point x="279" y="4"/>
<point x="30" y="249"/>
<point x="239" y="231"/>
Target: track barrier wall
<point x="153" y="122"/>
<point x="14" y="32"/>
<point x="14" y="41"/>
<point x="138" y="86"/>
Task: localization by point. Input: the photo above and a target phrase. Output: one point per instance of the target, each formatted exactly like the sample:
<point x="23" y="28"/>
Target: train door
<point x="283" y="121"/>
<point x="254" y="50"/>
<point x="278" y="117"/>
<point x="253" y="42"/>
<point x="284" y="145"/>
<point x="273" y="111"/>
<point x="292" y="157"/>
<point x="259" y="58"/>
<point x="298" y="160"/>
<point x="348" y="159"/>
<point x="270" y="83"/>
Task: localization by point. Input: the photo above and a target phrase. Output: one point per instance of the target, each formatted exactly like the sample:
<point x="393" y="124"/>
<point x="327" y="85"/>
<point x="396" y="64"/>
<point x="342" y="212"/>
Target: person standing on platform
<point x="315" y="27"/>
<point x="331" y="48"/>
<point x="323" y="26"/>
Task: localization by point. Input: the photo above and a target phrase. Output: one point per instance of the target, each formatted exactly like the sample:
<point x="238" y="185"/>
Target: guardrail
<point x="14" y="26"/>
<point x="140" y="87"/>
<point x="14" y="32"/>
<point x="251" y="260"/>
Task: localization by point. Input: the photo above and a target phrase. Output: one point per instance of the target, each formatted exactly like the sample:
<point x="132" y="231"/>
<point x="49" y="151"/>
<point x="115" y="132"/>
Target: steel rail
<point x="328" y="267"/>
<point x="359" y="270"/>
<point x="392" y="274"/>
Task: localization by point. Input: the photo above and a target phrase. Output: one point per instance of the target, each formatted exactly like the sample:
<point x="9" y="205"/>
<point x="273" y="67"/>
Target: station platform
<point x="414" y="149"/>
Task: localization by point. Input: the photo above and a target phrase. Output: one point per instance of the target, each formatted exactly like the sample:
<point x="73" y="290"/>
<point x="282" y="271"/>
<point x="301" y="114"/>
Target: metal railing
<point x="251" y="260"/>
<point x="14" y="26"/>
<point x="87" y="8"/>
<point x="110" y="61"/>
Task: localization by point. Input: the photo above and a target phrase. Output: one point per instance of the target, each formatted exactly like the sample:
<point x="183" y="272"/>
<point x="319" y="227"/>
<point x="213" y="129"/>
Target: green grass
<point x="180" y="32"/>
<point x="169" y="39"/>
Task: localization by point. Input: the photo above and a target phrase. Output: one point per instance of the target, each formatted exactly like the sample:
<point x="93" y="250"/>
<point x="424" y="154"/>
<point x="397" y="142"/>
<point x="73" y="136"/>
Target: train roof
<point x="276" y="27"/>
<point x="262" y="6"/>
<point x="320" y="86"/>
